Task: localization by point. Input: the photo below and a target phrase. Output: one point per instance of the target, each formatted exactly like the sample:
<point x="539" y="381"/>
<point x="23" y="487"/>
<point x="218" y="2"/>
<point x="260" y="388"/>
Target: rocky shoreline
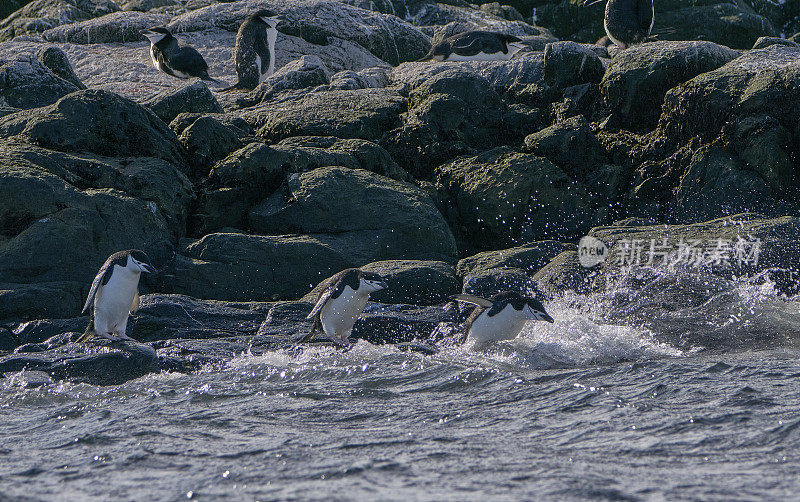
<point x="443" y="177"/>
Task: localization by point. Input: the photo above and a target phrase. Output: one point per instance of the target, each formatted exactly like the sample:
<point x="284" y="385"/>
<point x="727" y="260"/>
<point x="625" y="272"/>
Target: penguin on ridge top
<point x="177" y="60"/>
<point x="254" y="55"/>
<point x="627" y="22"/>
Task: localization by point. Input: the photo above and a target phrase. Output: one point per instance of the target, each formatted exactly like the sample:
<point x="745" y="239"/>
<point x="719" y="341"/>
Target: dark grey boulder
<point x="193" y="97"/>
<point x="208" y="140"/>
<point x="361" y="113"/>
<point x="528" y="258"/>
<point x="308" y="71"/>
<point x="637" y="79"/>
<point x="503" y="198"/>
<point x="241" y="267"/>
<point x="40" y="15"/>
<point x="570" y="63"/>
<point x="365" y="216"/>
<point x="763" y="42"/>
<point x="368" y="78"/>
<point x="120" y="127"/>
<point x="56" y="60"/>
<point x="148" y="5"/>
<point x="117" y="27"/>
<point x="570" y="144"/>
<point x="27" y="83"/>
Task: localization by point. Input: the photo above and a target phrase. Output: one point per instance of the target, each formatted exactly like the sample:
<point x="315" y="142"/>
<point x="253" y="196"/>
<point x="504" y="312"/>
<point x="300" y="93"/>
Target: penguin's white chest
<point x="340" y="314"/>
<point x="506" y="325"/>
<point x="112" y="302"/>
<point x="481" y="56"/>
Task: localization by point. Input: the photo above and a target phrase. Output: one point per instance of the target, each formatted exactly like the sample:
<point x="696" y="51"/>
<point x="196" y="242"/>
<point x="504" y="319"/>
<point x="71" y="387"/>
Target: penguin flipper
<point x="135" y="304"/>
<point x="475" y="300"/>
<point x="316" y="327"/>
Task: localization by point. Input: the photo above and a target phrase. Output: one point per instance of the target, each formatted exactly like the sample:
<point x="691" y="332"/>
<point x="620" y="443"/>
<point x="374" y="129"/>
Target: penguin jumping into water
<point x="500" y="318"/>
<point x="627" y="22"/>
<point x="180" y="61"/>
<point x="476" y="46"/>
<point x="115" y="292"/>
<point x="254" y="55"/>
<point x="341" y="302"/>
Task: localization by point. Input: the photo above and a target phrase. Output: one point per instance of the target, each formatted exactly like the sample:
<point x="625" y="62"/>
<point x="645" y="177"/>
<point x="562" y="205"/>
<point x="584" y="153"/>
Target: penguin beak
<point x="589" y="4"/>
<point x="383" y="285"/>
<point x="271" y="21"/>
<point x="147" y="268"/>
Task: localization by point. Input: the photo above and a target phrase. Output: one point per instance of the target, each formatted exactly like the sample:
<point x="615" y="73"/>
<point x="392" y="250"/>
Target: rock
<point x="569" y="63"/>
<point x="55" y="59"/>
<point x="208" y="140"/>
<point x="190" y="98"/>
<point x="570" y="144"/>
<point x="54" y="233"/>
<point x="490" y="282"/>
<point x="716" y="184"/>
<point x="319" y="22"/>
<point x="369" y="78"/>
<point x="158" y="184"/>
<point x="363" y="113"/>
<point x="411" y="282"/>
<point x="120" y="127"/>
<point x="40" y="15"/>
<point x="528" y="258"/>
<point x="308" y="71"/>
<point x="147" y="5"/>
<point x="241" y="267"/>
<point x="30" y="84"/>
<point x="565" y="273"/>
<point x="756" y="84"/>
<point x="763" y="42"/>
<point x="451" y="114"/>
<point x="337" y="54"/>
<point x="724" y="23"/>
<point x="502" y="197"/>
<point x="637" y="79"/>
<point x="10" y="6"/>
<point x="165" y="317"/>
<point x="118" y="27"/>
<point x="337" y="205"/>
<point x="111" y="367"/>
<point x="751" y="244"/>
<point x="447" y="20"/>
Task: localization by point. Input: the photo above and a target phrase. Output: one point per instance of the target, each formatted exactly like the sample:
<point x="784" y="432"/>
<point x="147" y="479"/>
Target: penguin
<point x="476" y="46"/>
<point x="254" y="55"/>
<point x="341" y="302"/>
<point x="115" y="292"/>
<point x="180" y="61"/>
<point x="500" y="318"/>
<point x="627" y="22"/>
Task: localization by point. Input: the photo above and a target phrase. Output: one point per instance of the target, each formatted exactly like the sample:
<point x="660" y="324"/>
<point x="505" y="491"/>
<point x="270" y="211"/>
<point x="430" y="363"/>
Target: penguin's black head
<point x="157" y="34"/>
<point x="267" y="17"/>
<point x="372" y="282"/>
<point x="140" y="260"/>
<point x="531" y="307"/>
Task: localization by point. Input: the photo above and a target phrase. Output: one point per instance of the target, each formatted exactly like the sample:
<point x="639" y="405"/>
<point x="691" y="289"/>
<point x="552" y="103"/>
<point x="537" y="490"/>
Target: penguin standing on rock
<point x="180" y="61"/>
<point x="627" y="22"/>
<point x="500" y="318"/>
<point x="341" y="302"/>
<point x="476" y="46"/>
<point x="254" y="55"/>
<point x="115" y="291"/>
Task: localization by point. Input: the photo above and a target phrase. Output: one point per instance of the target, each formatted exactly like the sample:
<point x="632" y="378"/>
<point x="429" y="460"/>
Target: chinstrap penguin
<point x="500" y="318"/>
<point x="627" y="22"/>
<point x="115" y="292"/>
<point x="476" y="46"/>
<point x="180" y="61"/>
<point x="254" y="55"/>
<point x="341" y="302"/>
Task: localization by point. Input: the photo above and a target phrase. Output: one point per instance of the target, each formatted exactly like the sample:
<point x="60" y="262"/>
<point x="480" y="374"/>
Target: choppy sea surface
<point x="676" y="387"/>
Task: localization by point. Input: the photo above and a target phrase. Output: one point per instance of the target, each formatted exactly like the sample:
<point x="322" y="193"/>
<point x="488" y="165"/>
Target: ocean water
<point x="664" y="387"/>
